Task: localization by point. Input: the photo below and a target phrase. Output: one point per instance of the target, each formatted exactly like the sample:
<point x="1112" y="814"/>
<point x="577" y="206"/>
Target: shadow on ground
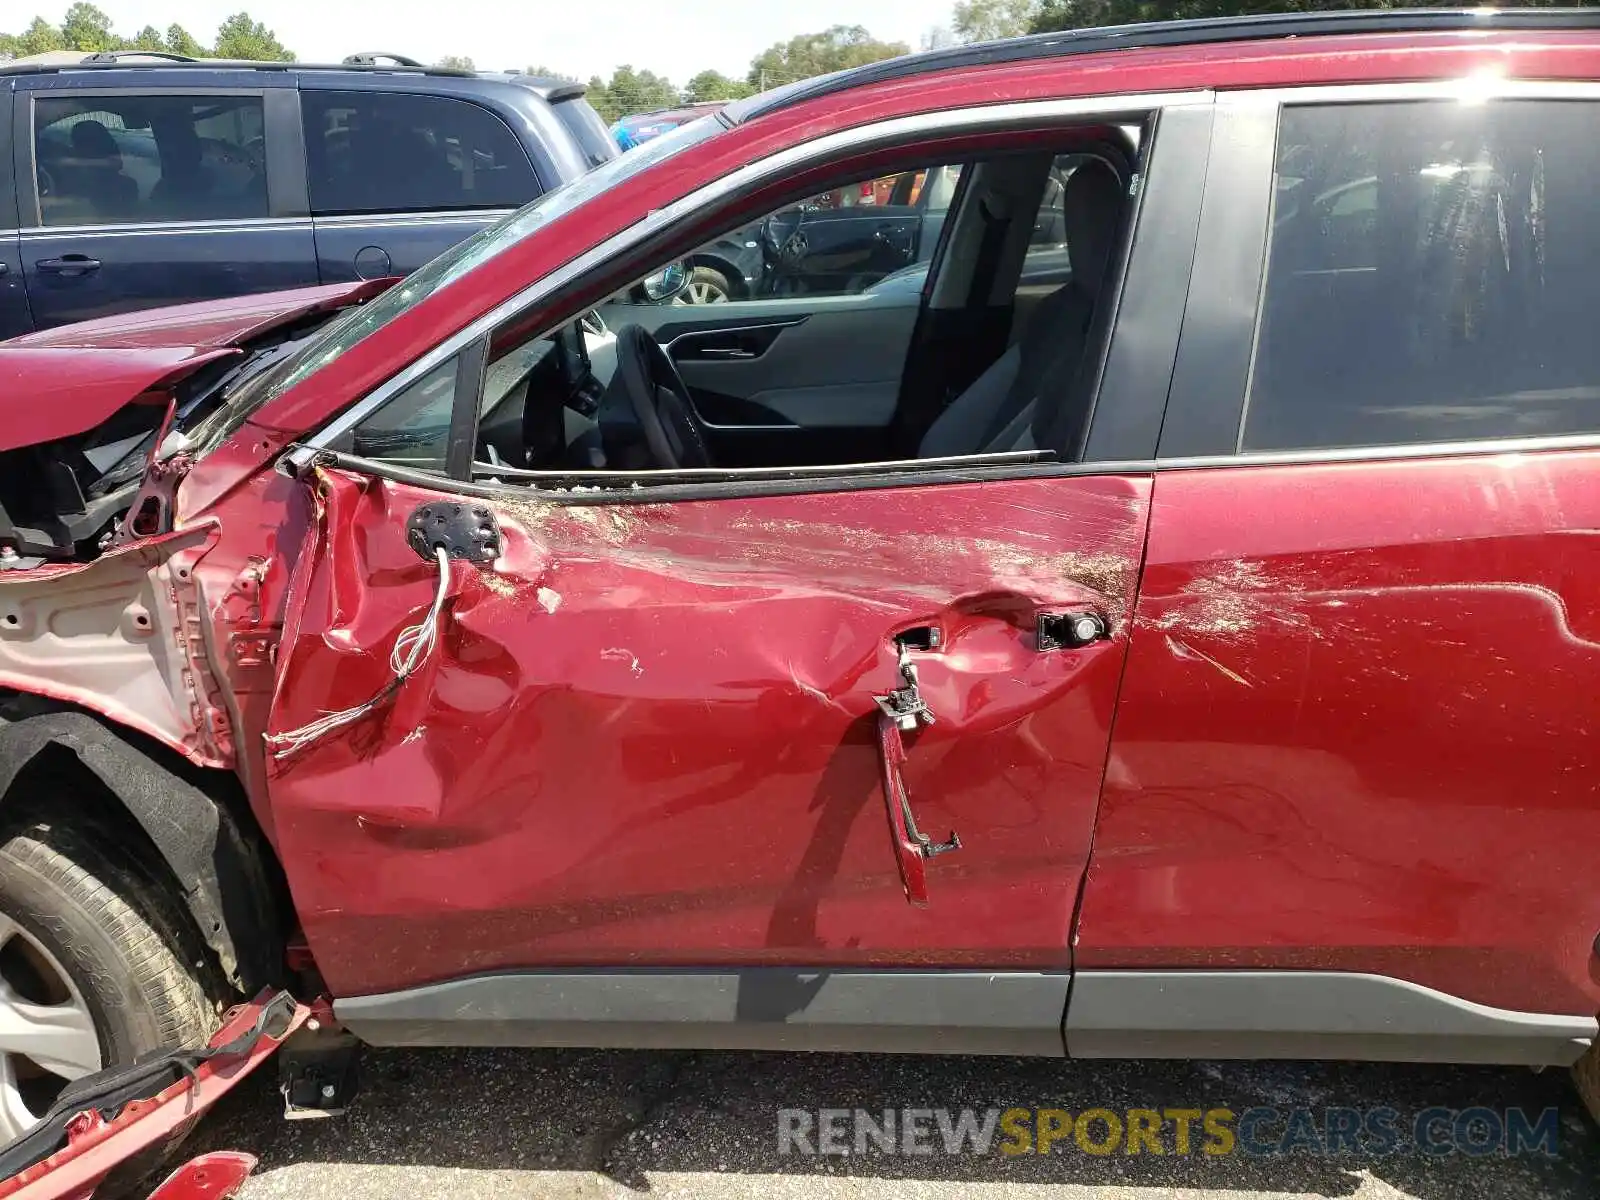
<point x="629" y="1120"/>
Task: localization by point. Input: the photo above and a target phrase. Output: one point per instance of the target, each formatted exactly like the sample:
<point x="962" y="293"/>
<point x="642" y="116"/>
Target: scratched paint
<point x="1357" y="729"/>
<point x="647" y="718"/>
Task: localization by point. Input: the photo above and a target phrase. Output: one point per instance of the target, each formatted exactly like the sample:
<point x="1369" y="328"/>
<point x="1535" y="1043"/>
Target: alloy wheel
<point x="47" y="1035"/>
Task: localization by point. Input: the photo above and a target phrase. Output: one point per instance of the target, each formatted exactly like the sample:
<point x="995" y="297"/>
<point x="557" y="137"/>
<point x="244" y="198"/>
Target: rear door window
<point x="1432" y="276"/>
<point x="372" y="152"/>
<point x="110" y="160"/>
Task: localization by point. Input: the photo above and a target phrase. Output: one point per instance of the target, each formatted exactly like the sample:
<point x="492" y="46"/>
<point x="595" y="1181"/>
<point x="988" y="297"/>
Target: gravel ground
<point x="465" y="1125"/>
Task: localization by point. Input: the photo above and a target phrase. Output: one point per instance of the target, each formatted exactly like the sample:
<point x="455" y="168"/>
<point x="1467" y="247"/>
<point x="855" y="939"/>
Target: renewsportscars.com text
<point x="1210" y="1132"/>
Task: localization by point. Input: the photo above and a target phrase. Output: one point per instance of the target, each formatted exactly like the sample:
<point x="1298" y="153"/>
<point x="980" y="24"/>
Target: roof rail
<point x="112" y="56"/>
<point x="1196" y="32"/>
<point x="150" y="61"/>
<point x="369" y="58"/>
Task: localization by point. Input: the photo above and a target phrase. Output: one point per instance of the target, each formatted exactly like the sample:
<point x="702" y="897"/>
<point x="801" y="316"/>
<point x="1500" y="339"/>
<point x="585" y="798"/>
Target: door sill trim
<point x="763" y="1008"/>
<point x="1307" y="1015"/>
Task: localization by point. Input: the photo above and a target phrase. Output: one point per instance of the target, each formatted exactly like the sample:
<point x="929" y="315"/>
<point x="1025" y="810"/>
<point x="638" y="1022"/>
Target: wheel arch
<point x="203" y="842"/>
<point x="737" y="287"/>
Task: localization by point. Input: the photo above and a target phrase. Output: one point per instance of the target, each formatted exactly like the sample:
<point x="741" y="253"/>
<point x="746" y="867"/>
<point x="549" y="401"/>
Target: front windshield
<point x="358" y="323"/>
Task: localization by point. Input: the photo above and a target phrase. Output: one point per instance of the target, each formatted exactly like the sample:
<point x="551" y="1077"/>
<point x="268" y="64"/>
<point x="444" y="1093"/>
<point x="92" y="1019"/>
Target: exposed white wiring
<point x="411" y="649"/>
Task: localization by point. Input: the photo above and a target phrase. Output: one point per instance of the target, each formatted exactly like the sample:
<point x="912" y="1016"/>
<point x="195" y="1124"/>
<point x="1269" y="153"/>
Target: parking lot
<point x="579" y="1123"/>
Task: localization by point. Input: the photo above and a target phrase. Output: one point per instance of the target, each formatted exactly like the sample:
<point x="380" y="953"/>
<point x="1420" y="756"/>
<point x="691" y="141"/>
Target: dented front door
<point x="651" y="733"/>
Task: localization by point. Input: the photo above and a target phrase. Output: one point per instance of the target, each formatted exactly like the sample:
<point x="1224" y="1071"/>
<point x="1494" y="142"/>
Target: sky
<point x="675" y="38"/>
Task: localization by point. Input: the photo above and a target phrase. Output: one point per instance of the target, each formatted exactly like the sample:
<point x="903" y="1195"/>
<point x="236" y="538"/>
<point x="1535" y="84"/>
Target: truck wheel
<point x="707" y="285"/>
<point x="91" y="970"/>
<point x="1586" y="1075"/>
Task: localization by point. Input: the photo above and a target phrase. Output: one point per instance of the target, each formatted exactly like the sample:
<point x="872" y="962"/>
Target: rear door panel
<point x="1348" y="738"/>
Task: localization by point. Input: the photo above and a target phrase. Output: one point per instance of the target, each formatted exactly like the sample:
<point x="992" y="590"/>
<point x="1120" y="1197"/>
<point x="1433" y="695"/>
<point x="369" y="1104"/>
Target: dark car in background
<point x="129" y="181"/>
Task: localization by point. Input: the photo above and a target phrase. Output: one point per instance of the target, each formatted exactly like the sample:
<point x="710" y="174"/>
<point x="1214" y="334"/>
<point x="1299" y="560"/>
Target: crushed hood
<point x="69" y="380"/>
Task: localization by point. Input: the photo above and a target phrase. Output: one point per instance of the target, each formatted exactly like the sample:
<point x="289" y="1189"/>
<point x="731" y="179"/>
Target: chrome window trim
<point x="1332" y="455"/>
<point x="1472" y="88"/>
<point x="362" y="220"/>
<point x="157" y="227"/>
<point x="1022" y="113"/>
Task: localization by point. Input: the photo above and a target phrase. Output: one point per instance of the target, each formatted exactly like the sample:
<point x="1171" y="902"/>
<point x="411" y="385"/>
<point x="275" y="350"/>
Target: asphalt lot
<point x="579" y="1123"/>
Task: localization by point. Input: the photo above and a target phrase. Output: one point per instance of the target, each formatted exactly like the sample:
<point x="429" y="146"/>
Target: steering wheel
<point x="675" y="435"/>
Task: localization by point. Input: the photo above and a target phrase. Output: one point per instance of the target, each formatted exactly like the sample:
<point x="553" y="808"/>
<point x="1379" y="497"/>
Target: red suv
<point x="1187" y="655"/>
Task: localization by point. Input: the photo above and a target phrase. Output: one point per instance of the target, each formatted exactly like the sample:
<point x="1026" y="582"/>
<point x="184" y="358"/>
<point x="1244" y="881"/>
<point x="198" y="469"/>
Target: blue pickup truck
<point x="134" y="180"/>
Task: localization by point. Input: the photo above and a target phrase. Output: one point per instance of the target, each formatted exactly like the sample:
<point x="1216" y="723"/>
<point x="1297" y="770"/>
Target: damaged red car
<point x="1160" y="621"/>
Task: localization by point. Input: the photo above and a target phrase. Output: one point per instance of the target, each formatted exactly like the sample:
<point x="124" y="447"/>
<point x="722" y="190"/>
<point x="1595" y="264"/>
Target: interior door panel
<point x="802" y="380"/>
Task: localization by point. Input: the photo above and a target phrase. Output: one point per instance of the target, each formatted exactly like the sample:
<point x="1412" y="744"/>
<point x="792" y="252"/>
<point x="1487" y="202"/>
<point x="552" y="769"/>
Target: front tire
<point x="707" y="285"/>
<point x="92" y="969"/>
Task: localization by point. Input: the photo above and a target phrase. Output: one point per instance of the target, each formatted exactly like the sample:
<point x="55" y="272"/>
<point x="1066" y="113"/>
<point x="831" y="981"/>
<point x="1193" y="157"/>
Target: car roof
<point x="1198" y="33"/>
<point x="357" y="66"/>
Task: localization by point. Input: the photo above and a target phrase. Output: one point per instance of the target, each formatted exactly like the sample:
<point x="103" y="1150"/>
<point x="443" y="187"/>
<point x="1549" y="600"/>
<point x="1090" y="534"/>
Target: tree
<point x="810" y="54"/>
<point x="986" y="20"/>
<point x="548" y="73"/>
<point x="242" y="37"/>
<point x="181" y="41"/>
<point x="456" y="62"/>
<point x="88" y="29"/>
<point x="714" y="85"/>
<point x="37" y="38"/>
<point x="148" y="38"/>
<point x="629" y="91"/>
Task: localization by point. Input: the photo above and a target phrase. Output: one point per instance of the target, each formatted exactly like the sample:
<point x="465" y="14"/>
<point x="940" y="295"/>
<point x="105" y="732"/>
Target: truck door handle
<point x="4" y="270"/>
<point x="69" y="264"/>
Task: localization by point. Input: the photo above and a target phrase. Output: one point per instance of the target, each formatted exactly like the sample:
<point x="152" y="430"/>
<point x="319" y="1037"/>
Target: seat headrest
<point x="1091" y="207"/>
<point x="91" y="139"/>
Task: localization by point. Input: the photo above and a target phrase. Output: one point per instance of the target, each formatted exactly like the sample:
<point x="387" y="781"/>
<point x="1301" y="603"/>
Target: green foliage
<point x="811" y="54"/>
<point x="241" y="37"/>
<point x="88" y="29"/>
<point x="37" y="38"/>
<point x="629" y="91"/>
<point x="181" y="41"/>
<point x="548" y="73"/>
<point x="714" y="85"/>
<point x="457" y="62"/>
<point x="985" y="20"/>
<point x="85" y="27"/>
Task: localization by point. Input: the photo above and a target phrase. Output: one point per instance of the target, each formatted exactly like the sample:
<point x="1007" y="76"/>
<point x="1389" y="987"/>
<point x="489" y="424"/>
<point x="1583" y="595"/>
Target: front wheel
<point x="91" y="969"/>
<point x="707" y="285"/>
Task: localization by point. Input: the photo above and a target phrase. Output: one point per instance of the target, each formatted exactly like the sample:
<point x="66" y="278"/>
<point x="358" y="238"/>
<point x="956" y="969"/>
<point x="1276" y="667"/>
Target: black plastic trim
<point x="1153" y="35"/>
<point x="759" y="1008"/>
<point x="1212" y="373"/>
<point x="1306" y="1014"/>
<point x="1125" y="421"/>
<point x="865" y="479"/>
<point x="472" y="365"/>
<point x="8" y="192"/>
<point x="225" y="886"/>
<point x="288" y="192"/>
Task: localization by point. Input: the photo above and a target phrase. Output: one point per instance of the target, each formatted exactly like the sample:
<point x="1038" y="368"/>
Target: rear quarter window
<point x="1433" y="270"/>
<point x="374" y="152"/>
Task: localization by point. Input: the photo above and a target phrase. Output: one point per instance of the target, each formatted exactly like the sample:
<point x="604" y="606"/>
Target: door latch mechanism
<point x="900" y="712"/>
<point x="905" y="705"/>
<point x="1069" y="630"/>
